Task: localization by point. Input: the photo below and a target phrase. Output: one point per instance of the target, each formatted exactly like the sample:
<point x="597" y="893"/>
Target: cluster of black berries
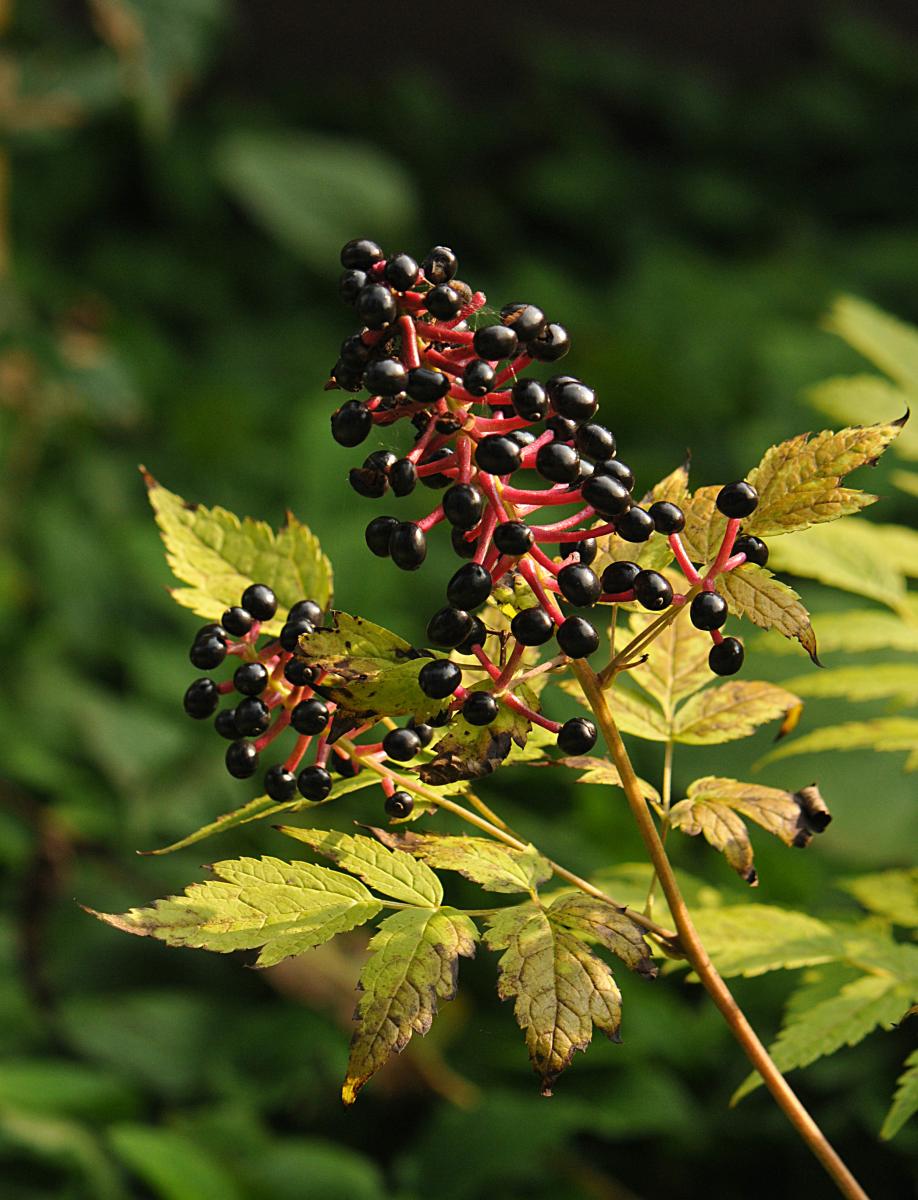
<point x="479" y="422"/>
<point x="274" y="689"/>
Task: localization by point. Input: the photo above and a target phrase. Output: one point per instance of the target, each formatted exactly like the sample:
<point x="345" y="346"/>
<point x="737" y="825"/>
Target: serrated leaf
<point x="392" y="872"/>
<point x="596" y="919"/>
<point x="561" y="989"/>
<point x="636" y="716"/>
<point x="799" y="481"/>
<point x="867" y="399"/>
<point x="905" y="1101"/>
<point x="413" y="964"/>
<point x="652" y="555"/>
<point x="730" y="711"/>
<point x="369" y="671"/>
<point x="285" y="908"/>
<point x="496" y="867"/>
<point x="863" y="630"/>
<point x="472" y="751"/>
<point x="890" y="344"/>
<point x="849" y="556"/>
<point x="753" y="592"/>
<point x="705" y="525"/>
<point x="218" y="555"/>
<point x="881" y="681"/>
<point x="677" y="661"/>
<point x="892" y="894"/>
<point x="262" y="807"/>
<point x="605" y="774"/>
<point x="715" y="806"/>
<point x="751" y="939"/>
<point x="890" y="734"/>
<point x="673" y="487"/>
<point x="843" y="1020"/>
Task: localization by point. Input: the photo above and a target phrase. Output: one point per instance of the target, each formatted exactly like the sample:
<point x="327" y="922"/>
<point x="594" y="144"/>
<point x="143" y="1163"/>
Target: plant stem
<point x="696" y="954"/>
<point x="667" y="798"/>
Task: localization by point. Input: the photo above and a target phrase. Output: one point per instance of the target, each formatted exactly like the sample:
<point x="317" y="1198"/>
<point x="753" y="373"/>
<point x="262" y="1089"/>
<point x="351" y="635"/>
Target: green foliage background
<point x="168" y="296"/>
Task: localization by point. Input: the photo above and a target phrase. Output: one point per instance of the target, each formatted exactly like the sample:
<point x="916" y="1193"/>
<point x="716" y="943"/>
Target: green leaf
<point x="285" y="908"/>
<point x="472" y="751"/>
<point x="799" y="480"/>
<point x="753" y="592"/>
<point x="731" y="711"/>
<point x="892" y="894"/>
<point x="714" y="807"/>
<point x="751" y="939"/>
<point x="636" y="716"/>
<point x="312" y="192"/>
<point x="413" y="965"/>
<point x="218" y="556"/>
<point x="842" y="1020"/>
<point x="905" y="1101"/>
<point x="890" y="344"/>
<point x="677" y="661"/>
<point x="880" y="681"/>
<point x="862" y="630"/>
<point x="858" y="399"/>
<point x="263" y="806"/>
<point x="561" y="988"/>
<point x="392" y="872"/>
<point x="890" y="734"/>
<point x="496" y="867"/>
<point x="906" y="481"/>
<point x="849" y="556"/>
<point x="61" y="1088"/>
<point x="173" y="1166"/>
<point x="369" y="671"/>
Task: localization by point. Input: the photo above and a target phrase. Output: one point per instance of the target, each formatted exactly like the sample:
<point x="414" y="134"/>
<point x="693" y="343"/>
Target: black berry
<point x="402" y="272"/>
<point x="558" y="462"/>
<point x="652" y="591"/>
<point x="614" y="468"/>
<point x="378" y="533"/>
<point x="526" y="320"/>
<point x="292" y="632"/>
<point x="314" y="783"/>
<point x="298" y="672"/>
<point x="360" y="254"/>
<point x="667" y="517"/>
<point x="401" y="744"/>
<point x="480" y="708"/>
<point x="350" y="285"/>
<point x="532" y="627"/>
<point x="478" y="377"/>
<point x="367" y="482"/>
<point x="462" y="546"/>
<point x="426" y="386"/>
<point x="513" y="537"/>
<point x="577" y="637"/>
<point x="424" y="732"/>
<point x="241" y="759"/>
<point x="636" y="525"/>
<point x="449" y="627"/>
<point x="280" y="784"/>
<point x="475" y="638"/>
<point x="551" y="344"/>
<point x="577" y="736"/>
<point x="498" y="455"/>
<point x="575" y="401"/>
<point x="305" y="610"/>
<point x="529" y="399"/>
<point x="754" y="548"/>
<point x="250" y="679"/>
<point x="463" y="505"/>
<point x="399" y="805"/>
<point x="738" y="499"/>
<point x="403" y="477"/>
<point x="493" y="342"/>
<point x="608" y="496"/>
<point x="207" y="652"/>
<point x="587" y="550"/>
<point x="469" y="587"/>
<point x="443" y="302"/>
<point x="579" y="585"/>
<point x="201" y="699"/>
<point x="310" y="716"/>
<point x="595" y="441"/>
<point x="438" y="480"/>
<point x="225" y="724"/>
<point x="385" y="377"/>
<point x="439" y="679"/>
<point x="619" y="577"/>
<point x="354" y="352"/>
<point x="407" y="546"/>
<point x="708" y="611"/>
<point x="252" y="716"/>
<point x="351" y="424"/>
<point x="376" y="306"/>
<point x="440" y="265"/>
<point x="237" y="621"/>
<point x="726" y="657"/>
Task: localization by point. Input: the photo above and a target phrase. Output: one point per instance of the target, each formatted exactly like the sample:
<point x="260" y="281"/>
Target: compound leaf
<point x="905" y="1101"/>
<point x="841" y="1020"/>
<point x="891" y="894"/>
<point x="751" y="939"/>
<point x="636" y="716"/>
<point x="392" y="872"/>
<point x="604" y="773"/>
<point x="705" y="525"/>
<point x="799" y="480"/>
<point x="677" y="661"/>
<point x="413" y="964"/>
<point x="496" y="867"/>
<point x="715" y="807"/>
<point x="285" y="908"/>
<point x="883" y="733"/>
<point x="600" y="921"/>
<point x="732" y="710"/>
<point x="472" y="751"/>
<point x="895" y="681"/>
<point x="753" y="592"/>
<point x="369" y="671"/>
<point x="848" y="556"/>
<point x="561" y="988"/>
<point x="218" y="555"/>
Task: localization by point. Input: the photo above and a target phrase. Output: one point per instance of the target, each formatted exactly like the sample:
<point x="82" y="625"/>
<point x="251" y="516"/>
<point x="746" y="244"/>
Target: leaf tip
<point x="349" y="1092"/>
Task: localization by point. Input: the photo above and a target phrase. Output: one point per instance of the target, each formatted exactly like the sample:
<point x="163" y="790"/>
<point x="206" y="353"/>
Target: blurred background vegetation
<point x="176" y="177"/>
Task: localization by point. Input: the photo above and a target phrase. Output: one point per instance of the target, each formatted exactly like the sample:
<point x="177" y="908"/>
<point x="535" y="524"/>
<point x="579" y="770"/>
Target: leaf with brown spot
<point x="473" y="751"/>
<point x="731" y="711"/>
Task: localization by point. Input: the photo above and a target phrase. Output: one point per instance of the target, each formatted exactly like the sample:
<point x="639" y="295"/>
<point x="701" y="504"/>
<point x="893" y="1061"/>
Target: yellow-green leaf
<point x="636" y="716"/>
<point x="867" y="399"/>
<point x="841" y="1020"/>
<point x="732" y="710"/>
<point x="881" y="681"/>
<point x="715" y="807"/>
<point x="496" y="867"/>
<point x="286" y="908"/>
<point x="848" y="555"/>
<point x="673" y="487"/>
<point x="600" y="771"/>
<point x="705" y="525"/>
<point x="883" y="733"/>
<point x="677" y="661"/>
<point x="413" y="964"/>
<point x="561" y="989"/>
<point x="218" y="555"/>
<point x="392" y="872"/>
<point x="369" y="671"/>
<point x="600" y="921"/>
<point x="753" y="592"/>
<point x="750" y="939"/>
<point x="905" y="1101"/>
<point x="862" y="630"/>
<point x="890" y="344"/>
<point x="892" y="894"/>
<point x="799" y="481"/>
<point x="906" y="481"/>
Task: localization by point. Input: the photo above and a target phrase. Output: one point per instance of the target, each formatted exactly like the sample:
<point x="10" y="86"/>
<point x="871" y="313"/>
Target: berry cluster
<point x="479" y="422"/>
<point x="275" y="690"/>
